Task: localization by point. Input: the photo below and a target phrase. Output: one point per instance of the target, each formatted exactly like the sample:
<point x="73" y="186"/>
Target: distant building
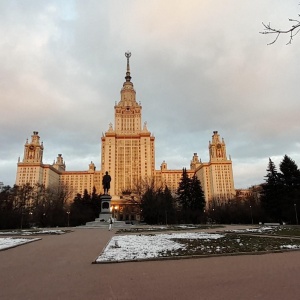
<point x="254" y="192"/>
<point x="128" y="154"/>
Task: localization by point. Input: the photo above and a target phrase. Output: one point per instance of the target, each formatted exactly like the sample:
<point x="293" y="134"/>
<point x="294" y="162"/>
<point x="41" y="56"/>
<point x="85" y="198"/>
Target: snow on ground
<point x="290" y="247"/>
<point x="6" y="243"/>
<point x="33" y="232"/>
<point x="252" y="230"/>
<point x="133" y="247"/>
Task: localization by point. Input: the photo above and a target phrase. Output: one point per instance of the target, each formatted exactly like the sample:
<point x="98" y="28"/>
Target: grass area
<point x="252" y="240"/>
<point x="167" y="228"/>
<point x="233" y="243"/>
<point x="282" y="230"/>
<point x="287" y="230"/>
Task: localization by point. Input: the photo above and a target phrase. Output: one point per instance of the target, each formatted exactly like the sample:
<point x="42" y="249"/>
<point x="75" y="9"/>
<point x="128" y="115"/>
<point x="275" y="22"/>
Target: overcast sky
<point x="197" y="66"/>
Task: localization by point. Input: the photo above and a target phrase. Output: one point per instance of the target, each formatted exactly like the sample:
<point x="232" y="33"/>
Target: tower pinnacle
<point x="128" y="77"/>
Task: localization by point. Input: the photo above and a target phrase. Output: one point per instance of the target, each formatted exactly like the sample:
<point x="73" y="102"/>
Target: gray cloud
<point x="196" y="66"/>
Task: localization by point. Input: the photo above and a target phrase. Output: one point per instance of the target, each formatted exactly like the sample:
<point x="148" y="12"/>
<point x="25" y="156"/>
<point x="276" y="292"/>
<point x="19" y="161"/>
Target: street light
<point x="251" y="214"/>
<point x="115" y="211"/>
<point x="112" y="209"/>
<point x="30" y="218"/>
<point x="296" y="214"/>
<point x="68" y="213"/>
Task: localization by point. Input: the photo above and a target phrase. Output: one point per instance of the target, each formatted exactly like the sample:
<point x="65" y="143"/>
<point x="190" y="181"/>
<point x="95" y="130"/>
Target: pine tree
<point x="184" y="190"/>
<point x="149" y="206"/>
<point x="290" y="180"/>
<point x="290" y="173"/>
<point x="169" y="206"/>
<point x="271" y="199"/>
<point x="197" y="194"/>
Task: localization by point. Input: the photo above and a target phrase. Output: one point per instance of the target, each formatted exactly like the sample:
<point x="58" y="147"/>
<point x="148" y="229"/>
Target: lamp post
<point x="112" y="211"/>
<point x="68" y="213"/>
<point x="166" y="215"/>
<point x="296" y="214"/>
<point x="115" y="211"/>
<point x="30" y="218"/>
<point x="251" y="214"/>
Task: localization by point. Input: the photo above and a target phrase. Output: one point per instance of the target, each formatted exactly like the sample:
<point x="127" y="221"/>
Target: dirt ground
<point x="60" y="267"/>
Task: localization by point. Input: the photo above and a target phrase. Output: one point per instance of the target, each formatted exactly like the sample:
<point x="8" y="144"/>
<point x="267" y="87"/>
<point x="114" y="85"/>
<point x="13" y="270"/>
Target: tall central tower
<point x="128" y="148"/>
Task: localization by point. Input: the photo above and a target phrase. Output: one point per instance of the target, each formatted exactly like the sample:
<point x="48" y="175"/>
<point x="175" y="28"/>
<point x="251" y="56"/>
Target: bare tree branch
<point x="292" y="31"/>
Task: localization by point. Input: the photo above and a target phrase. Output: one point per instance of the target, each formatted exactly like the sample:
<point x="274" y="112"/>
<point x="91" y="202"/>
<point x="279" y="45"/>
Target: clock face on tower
<point x="218" y="146"/>
<point x="31" y="147"/>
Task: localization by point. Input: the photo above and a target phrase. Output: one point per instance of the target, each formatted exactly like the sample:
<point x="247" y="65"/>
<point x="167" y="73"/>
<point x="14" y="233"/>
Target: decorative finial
<point x="127" y="55"/>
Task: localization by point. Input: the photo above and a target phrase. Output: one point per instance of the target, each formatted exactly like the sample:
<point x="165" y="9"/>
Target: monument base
<point x="105" y="213"/>
<point x="104" y="217"/>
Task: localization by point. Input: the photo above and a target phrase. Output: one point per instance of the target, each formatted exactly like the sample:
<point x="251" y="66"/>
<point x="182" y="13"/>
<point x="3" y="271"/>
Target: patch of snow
<point x="133" y="247"/>
<point x="186" y="226"/>
<point x="6" y="243"/>
<point x="290" y="247"/>
<point x="32" y="232"/>
<point x="253" y="230"/>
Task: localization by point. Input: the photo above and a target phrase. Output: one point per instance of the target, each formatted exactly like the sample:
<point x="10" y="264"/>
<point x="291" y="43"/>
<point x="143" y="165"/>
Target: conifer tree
<point x="197" y="194"/>
<point x="169" y="206"/>
<point x="272" y="193"/>
<point x="149" y="206"/>
<point x="158" y="206"/>
<point x="184" y="190"/>
<point x="290" y="173"/>
<point x="290" y="180"/>
<point x="190" y="197"/>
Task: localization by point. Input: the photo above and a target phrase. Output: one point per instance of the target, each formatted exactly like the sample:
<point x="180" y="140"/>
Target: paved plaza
<point x="60" y="267"/>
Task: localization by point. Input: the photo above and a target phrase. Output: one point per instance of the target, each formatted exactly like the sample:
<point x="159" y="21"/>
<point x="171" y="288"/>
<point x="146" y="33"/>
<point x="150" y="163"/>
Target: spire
<point x="128" y="77"/>
<point x="128" y="92"/>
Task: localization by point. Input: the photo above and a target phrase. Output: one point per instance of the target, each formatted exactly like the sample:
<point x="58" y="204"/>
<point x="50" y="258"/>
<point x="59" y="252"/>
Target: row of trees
<point x="235" y="211"/>
<point x="159" y="206"/>
<point x="85" y="208"/>
<point x="279" y="201"/>
<point x="26" y="206"/>
<point x="188" y="205"/>
<point x="281" y="193"/>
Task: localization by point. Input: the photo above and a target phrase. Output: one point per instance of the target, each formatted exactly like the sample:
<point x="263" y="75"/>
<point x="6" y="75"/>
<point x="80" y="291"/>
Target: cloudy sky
<point x="197" y="66"/>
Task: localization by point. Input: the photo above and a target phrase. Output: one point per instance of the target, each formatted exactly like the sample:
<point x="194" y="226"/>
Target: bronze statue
<point x="106" y="182"/>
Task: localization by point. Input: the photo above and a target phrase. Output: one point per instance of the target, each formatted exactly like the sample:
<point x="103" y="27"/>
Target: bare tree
<point x="292" y="31"/>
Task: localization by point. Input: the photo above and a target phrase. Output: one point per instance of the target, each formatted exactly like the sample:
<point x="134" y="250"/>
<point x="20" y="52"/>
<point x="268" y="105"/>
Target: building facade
<point x="128" y="147"/>
<point x="128" y="154"/>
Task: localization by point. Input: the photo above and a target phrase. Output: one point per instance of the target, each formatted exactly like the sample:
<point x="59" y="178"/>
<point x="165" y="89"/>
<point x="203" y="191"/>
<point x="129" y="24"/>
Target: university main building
<point x="128" y="154"/>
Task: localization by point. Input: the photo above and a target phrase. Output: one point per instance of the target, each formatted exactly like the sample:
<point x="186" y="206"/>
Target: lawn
<point x="136" y="247"/>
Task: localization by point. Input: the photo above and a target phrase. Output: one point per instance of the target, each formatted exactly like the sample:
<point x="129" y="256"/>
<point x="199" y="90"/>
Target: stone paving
<point x="60" y="267"/>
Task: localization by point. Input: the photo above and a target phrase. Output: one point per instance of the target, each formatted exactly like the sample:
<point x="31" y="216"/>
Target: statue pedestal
<point x="105" y="213"/>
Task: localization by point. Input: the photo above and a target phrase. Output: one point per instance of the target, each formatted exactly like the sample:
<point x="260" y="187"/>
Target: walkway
<point x="60" y="267"/>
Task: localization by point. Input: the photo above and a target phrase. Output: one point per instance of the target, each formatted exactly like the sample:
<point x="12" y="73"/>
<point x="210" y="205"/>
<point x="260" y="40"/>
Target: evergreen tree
<point x="191" y="198"/>
<point x="271" y="199"/>
<point x="81" y="210"/>
<point x="197" y="194"/>
<point x="96" y="202"/>
<point x="290" y="180"/>
<point x="157" y="206"/>
<point x="169" y="207"/>
<point x="149" y="206"/>
<point x="184" y="191"/>
<point x="290" y="173"/>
